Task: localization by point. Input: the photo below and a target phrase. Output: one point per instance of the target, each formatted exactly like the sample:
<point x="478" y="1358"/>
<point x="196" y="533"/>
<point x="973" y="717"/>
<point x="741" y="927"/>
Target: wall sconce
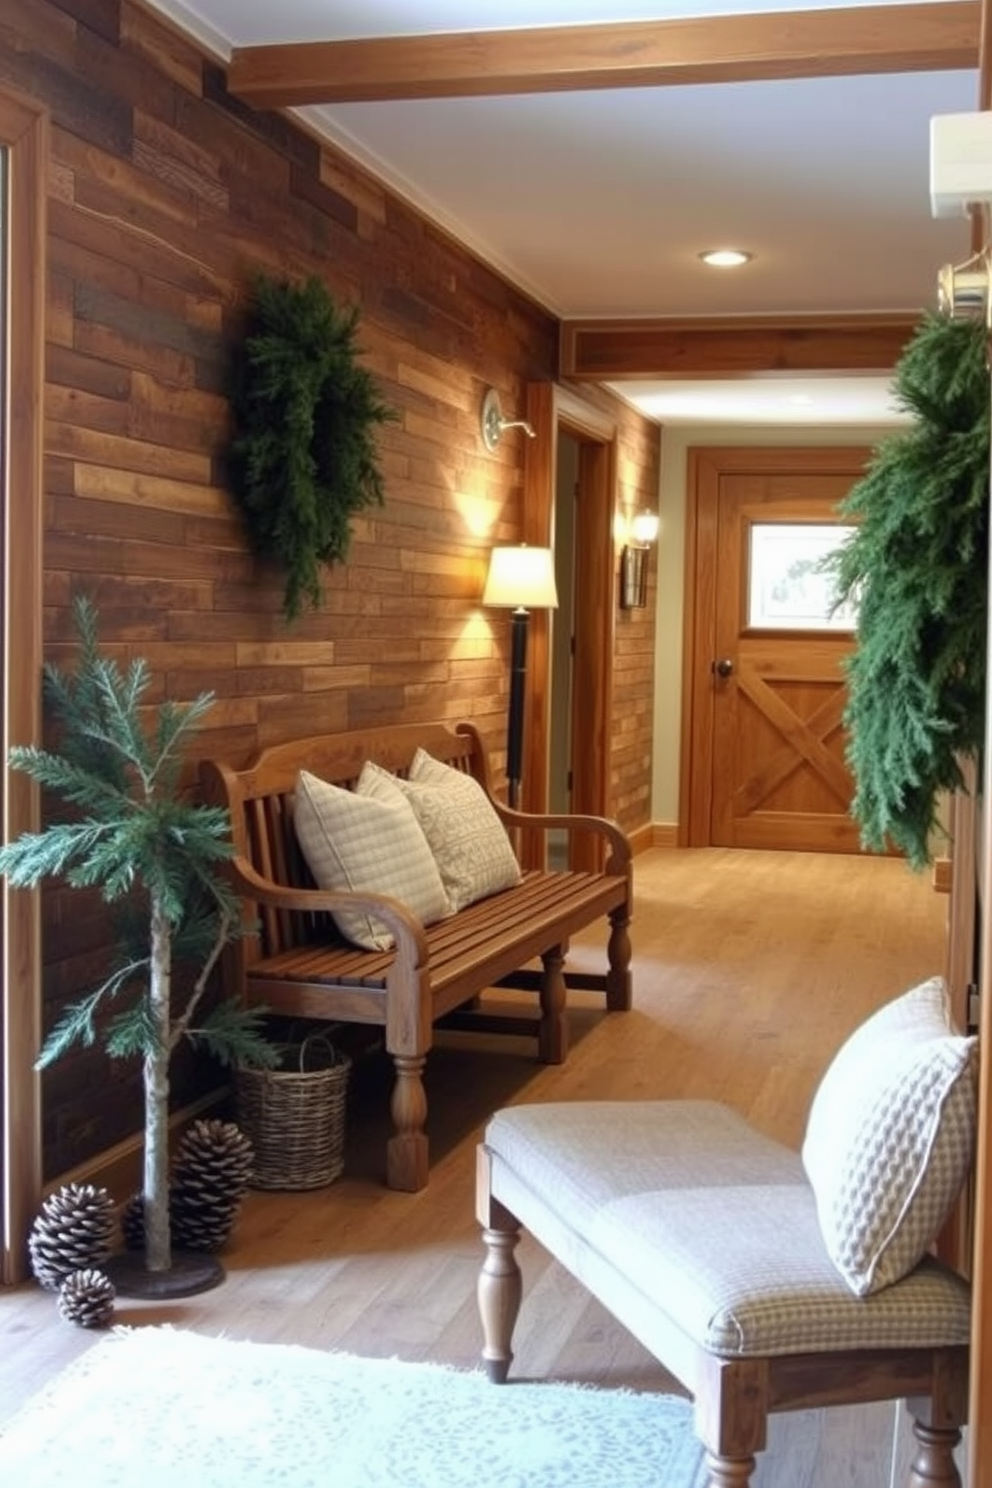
<point x="634" y="560"/>
<point x="493" y="424"/>
<point x="521" y="579"/>
<point x="964" y="291"/>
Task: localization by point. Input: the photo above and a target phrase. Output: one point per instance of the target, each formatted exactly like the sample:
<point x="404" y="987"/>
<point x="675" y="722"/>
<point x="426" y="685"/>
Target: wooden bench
<point x="294" y="962"/>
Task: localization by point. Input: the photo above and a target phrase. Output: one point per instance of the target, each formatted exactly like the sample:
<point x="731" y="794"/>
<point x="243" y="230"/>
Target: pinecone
<point x="73" y="1231"/>
<point x="209" y="1179"/>
<point x="133" y="1222"/>
<point x="87" y="1298"/>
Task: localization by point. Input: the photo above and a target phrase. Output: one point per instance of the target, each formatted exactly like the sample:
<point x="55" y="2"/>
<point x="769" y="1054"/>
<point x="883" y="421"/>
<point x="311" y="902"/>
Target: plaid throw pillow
<point x="351" y="840"/>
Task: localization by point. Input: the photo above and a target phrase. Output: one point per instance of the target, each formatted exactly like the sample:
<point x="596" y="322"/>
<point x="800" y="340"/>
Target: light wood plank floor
<point x="750" y="969"/>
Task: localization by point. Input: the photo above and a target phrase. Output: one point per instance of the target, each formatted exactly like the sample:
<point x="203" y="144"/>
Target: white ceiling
<point x="598" y="203"/>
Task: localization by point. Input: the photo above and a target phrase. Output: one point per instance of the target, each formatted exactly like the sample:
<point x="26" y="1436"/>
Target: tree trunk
<point x="158" y="1238"/>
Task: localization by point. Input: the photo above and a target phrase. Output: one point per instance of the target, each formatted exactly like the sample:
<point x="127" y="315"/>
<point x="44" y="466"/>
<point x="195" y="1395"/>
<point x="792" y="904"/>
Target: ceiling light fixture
<point x="726" y="258"/>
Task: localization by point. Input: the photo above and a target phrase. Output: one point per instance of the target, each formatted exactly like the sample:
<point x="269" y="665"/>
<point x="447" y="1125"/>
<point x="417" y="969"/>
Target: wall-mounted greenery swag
<point x="303" y="457"/>
<point x="917" y="560"/>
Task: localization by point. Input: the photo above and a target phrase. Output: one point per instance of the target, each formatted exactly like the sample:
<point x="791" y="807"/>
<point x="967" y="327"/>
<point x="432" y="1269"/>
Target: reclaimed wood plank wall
<point x="164" y="194"/>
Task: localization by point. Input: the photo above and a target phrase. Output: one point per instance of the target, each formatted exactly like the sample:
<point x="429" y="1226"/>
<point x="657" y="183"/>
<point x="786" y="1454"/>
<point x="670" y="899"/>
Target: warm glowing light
<point x="521" y="577"/>
<point x="644" y="527"/>
<point x="726" y="258"/>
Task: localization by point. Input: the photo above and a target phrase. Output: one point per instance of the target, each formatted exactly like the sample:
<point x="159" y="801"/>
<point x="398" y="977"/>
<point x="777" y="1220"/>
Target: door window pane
<point x="789" y="587"/>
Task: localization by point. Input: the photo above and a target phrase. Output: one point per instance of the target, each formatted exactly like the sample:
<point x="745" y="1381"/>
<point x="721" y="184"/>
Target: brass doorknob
<point x="723" y="667"/>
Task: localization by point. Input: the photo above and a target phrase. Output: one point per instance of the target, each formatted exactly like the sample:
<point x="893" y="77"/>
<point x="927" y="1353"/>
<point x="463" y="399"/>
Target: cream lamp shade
<point x="521" y="577"/>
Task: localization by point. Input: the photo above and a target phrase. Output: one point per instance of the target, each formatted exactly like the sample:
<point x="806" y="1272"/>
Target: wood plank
<point x="631" y="54"/>
<point x="772" y="345"/>
<point x="171" y="50"/>
<point x="87" y="410"/>
<point x="123" y="454"/>
<point x="112" y="518"/>
<point x="66" y="367"/>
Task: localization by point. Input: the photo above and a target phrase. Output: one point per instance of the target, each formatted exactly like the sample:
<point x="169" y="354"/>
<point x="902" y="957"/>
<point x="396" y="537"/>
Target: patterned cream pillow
<point x="890" y="1136"/>
<point x="472" y="850"/>
<point x="353" y="840"/>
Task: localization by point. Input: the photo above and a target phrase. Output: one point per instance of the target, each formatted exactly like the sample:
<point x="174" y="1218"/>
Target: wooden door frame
<point x="706" y="467"/>
<point x="551" y="411"/>
<point x="24" y="136"/>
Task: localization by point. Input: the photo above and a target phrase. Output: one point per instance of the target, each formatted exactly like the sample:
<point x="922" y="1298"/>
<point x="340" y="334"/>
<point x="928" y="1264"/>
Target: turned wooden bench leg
<point x="407" y="1158"/>
<point x="731" y="1412"/>
<point x="729" y="1472"/>
<point x="937" y="1421"/>
<point x="619" y="987"/>
<point x="499" y="1291"/>
<point x="933" y="1465"/>
<point x="500" y="1286"/>
<point x="552" y="1038"/>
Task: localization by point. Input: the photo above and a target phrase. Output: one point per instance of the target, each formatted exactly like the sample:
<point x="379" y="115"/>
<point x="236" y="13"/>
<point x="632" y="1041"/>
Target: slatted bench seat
<point x="296" y="963"/>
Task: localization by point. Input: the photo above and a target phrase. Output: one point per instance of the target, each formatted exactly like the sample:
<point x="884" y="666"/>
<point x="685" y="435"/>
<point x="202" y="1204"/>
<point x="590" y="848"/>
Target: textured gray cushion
<point x="470" y="846"/>
<point x="354" y="840"/>
<point x="890" y="1136"/>
<point x="680" y="1212"/>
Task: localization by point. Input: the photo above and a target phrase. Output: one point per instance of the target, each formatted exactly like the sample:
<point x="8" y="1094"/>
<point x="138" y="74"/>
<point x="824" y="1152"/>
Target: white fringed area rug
<point x="164" y="1408"/>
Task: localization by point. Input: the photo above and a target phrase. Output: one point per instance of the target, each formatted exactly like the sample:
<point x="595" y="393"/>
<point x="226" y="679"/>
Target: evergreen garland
<point x="916" y="564"/>
<point x="303" y="456"/>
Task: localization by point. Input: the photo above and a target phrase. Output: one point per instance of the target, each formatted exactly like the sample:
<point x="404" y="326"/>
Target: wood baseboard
<point x="119" y="1168"/>
<point x="654" y="834"/>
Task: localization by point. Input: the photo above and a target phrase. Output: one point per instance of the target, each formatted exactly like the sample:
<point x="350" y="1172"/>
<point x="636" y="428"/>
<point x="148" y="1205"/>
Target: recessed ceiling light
<point x="726" y="258"/>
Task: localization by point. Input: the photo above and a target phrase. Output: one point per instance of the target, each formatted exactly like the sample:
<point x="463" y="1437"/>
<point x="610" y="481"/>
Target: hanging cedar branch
<point x="303" y="457"/>
<point x="916" y="564"/>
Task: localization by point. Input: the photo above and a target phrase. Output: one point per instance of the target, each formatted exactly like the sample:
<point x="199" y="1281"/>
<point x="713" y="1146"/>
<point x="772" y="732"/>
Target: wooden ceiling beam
<point x="759" y="346"/>
<point x="631" y="54"/>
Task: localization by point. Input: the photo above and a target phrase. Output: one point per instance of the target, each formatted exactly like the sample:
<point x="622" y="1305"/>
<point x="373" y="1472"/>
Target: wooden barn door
<point x="765" y="692"/>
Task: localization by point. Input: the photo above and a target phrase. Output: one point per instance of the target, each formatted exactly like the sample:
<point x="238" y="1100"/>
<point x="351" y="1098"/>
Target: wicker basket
<point x="294" y="1117"/>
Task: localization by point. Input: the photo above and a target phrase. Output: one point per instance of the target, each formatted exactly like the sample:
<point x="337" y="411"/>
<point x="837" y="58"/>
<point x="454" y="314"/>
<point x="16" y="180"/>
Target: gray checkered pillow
<point x="890" y="1136"/>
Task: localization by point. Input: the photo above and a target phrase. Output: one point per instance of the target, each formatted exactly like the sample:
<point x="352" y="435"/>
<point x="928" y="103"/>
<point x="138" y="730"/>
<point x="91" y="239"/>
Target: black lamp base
<point x="515" y="717"/>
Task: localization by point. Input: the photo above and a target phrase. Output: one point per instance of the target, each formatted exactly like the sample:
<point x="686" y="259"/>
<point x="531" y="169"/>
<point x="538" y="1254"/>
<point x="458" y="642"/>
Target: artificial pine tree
<point x="133" y="833"/>
<point x="916" y="565"/>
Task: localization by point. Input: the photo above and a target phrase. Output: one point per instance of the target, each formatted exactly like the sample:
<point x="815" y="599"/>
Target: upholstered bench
<point x="735" y="1268"/>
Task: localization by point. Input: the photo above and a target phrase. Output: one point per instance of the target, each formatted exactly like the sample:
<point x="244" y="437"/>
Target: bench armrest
<point x="617" y="841"/>
<point x="618" y="860"/>
<point x="405" y="928"/>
